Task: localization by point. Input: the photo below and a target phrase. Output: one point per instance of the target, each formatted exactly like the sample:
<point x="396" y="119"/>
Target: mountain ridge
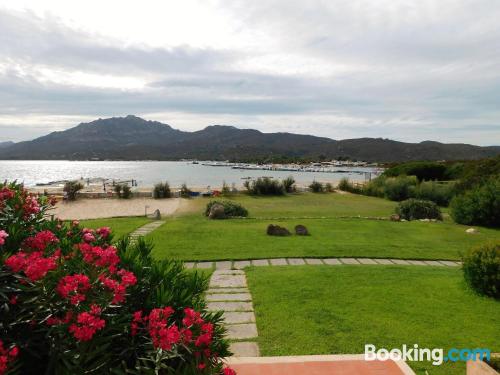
<point x="133" y="138"/>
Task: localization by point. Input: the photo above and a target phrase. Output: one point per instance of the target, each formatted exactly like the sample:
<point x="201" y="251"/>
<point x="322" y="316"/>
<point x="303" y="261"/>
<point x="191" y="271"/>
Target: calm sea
<point x="147" y="173"/>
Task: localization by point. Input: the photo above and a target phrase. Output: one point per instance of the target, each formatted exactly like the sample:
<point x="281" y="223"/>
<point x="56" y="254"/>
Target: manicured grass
<point x="338" y="309"/>
<point x="305" y="205"/>
<point x="120" y="226"/>
<point x="194" y="237"/>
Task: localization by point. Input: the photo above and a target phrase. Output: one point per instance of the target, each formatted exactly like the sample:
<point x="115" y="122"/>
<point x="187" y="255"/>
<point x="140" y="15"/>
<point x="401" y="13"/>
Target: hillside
<point x="133" y="138"/>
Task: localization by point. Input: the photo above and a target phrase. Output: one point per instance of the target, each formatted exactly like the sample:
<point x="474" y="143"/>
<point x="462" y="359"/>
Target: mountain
<point x="133" y="138"/>
<point x="6" y="144"/>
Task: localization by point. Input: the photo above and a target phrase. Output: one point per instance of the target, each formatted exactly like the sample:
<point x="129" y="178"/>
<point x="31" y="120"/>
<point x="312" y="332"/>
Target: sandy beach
<point x="105" y="208"/>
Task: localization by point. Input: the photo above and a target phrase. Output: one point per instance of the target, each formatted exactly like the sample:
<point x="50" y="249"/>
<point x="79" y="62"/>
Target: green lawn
<point x="120" y="225"/>
<point x="338" y="309"/>
<point x="306" y="205"/>
<point x="194" y="237"/>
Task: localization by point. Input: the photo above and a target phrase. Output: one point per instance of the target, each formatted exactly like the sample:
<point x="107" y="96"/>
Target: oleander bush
<point x="231" y="209"/>
<point x="72" y="303"/>
<point x="415" y="209"/>
<point x="481" y="267"/>
<point x="478" y="206"/>
<point x="162" y="190"/>
<point x="71" y="188"/>
<point x="264" y="186"/>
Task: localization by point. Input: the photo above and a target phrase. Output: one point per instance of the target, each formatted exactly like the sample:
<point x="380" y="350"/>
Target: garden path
<point x="145" y="229"/>
<point x="241" y="264"/>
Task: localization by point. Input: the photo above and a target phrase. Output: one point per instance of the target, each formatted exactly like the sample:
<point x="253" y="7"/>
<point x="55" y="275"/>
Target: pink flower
<point x="3" y="236"/>
<point x="104" y="232"/>
<point x="34" y="265"/>
<point x="73" y="287"/>
<point x="191" y="317"/>
<point x="41" y="240"/>
<point x="229" y="371"/>
<point x="100" y="257"/>
<point x="87" y="324"/>
<point x="7" y="356"/>
<point x="88" y="237"/>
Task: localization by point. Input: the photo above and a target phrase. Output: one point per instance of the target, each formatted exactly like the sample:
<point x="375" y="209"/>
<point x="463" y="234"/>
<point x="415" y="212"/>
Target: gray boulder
<point x="217" y="212"/>
<point x="301" y="230"/>
<point x="395" y="217"/>
<point x="276" y="230"/>
<point x="156" y="215"/>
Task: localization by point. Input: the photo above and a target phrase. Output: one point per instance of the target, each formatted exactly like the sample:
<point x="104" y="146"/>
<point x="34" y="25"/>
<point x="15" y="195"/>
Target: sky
<point x="406" y="70"/>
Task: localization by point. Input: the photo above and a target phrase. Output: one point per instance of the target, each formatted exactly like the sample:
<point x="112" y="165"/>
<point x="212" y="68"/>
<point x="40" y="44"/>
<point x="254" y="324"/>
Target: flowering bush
<point x="73" y="301"/>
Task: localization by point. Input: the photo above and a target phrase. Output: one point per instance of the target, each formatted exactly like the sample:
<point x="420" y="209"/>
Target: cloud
<point x="409" y="70"/>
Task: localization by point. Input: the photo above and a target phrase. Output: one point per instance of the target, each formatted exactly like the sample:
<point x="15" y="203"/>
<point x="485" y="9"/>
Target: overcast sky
<point x="406" y="70"/>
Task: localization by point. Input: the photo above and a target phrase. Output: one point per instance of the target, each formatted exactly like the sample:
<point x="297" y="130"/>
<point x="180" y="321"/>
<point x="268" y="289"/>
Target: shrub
<point x="329" y="187"/>
<point x="398" y="188"/>
<point x="231" y="209"/>
<point x="264" y="186"/>
<point x="185" y="192"/>
<point x="71" y="188"/>
<point x="123" y="191"/>
<point x="423" y="170"/>
<point x="289" y="184"/>
<point x="317" y="187"/>
<point x="72" y="304"/>
<point x="478" y="206"/>
<point x="225" y="191"/>
<point x="376" y="187"/>
<point x="439" y="193"/>
<point x="414" y="209"/>
<point x="481" y="267"/>
<point x="346" y="185"/>
<point x="162" y="190"/>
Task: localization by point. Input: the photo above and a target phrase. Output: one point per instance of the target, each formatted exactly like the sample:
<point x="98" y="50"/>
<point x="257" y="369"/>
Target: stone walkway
<point x="228" y="292"/>
<point x="145" y="229"/>
<point x="241" y="264"/>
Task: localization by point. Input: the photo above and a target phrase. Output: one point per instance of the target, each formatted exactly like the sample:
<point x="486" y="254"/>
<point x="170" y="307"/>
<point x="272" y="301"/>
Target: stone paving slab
<point x="229" y="297"/>
<point x="349" y="261"/>
<point x="227" y="290"/>
<point x="278" y="262"/>
<point x="225" y="265"/>
<point x="189" y="265"/>
<point x="240" y="264"/>
<point x="230" y="272"/>
<point x="417" y="263"/>
<point x="433" y="263"/>
<point x="204" y="264"/>
<point x="296" y="261"/>
<point x="384" y="261"/>
<point x="450" y="263"/>
<point x="332" y="261"/>
<point x="400" y="261"/>
<point x="235" y="317"/>
<point x="260" y="262"/>
<point x="241" y="331"/>
<point x="230" y="306"/>
<point x="366" y="261"/>
<point x="313" y="261"/>
<point x="227" y="281"/>
<point x="245" y="349"/>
